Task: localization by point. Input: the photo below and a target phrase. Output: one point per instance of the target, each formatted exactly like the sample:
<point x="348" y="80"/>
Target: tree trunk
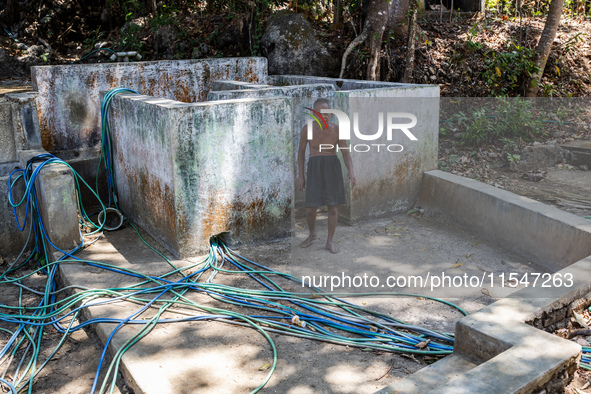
<point x="358" y="40"/>
<point x="410" y="54"/>
<point x="11" y="12"/>
<point x="544" y="45"/>
<point x="338" y="12"/>
<point x="397" y="10"/>
<point x="377" y="17"/>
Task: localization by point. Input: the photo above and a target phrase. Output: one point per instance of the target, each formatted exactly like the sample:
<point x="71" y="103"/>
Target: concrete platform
<point x="505" y="340"/>
<point x="216" y="357"/>
<point x="581" y="150"/>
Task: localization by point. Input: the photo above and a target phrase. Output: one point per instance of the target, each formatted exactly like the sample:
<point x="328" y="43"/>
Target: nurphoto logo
<point x="345" y="129"/>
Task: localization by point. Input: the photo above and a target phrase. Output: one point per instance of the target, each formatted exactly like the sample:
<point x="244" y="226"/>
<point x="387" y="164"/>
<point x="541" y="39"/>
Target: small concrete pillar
<point x="25" y="123"/>
<point x="58" y="204"/>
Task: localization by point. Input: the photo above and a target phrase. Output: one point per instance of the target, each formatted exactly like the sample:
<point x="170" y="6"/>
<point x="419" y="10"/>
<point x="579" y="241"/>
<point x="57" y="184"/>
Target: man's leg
<point x="333" y="217"/>
<point x="311" y="220"/>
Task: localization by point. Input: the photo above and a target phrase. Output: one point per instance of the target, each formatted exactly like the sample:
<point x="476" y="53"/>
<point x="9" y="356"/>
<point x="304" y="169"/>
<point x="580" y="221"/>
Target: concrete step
<point x="432" y="377"/>
<point x="581" y="150"/>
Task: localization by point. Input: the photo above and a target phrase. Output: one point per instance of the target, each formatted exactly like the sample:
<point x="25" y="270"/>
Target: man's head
<point x="321" y="103"/>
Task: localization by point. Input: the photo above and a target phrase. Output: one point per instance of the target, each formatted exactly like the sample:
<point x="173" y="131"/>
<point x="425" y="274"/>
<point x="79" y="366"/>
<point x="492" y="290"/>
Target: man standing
<point x="325" y="180"/>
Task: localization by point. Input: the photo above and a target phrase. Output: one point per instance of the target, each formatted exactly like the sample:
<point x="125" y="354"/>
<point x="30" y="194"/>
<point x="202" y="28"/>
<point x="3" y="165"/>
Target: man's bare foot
<point x="331" y="248"/>
<point x="308" y="241"/>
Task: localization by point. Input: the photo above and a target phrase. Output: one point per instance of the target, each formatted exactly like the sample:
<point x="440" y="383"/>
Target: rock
<point x="204" y="49"/>
<point x="101" y="45"/>
<point x="36" y="50"/>
<point x="164" y="40"/>
<point x="538" y="157"/>
<point x="289" y="43"/>
<point x="233" y="33"/>
<point x="534" y="177"/>
<point x="584" y="167"/>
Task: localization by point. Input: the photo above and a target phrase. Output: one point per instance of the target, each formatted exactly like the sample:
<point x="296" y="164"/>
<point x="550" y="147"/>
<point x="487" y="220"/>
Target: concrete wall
<point x="338" y="83"/>
<point x="7" y="145"/>
<point x="69" y="96"/>
<point x="545" y="235"/>
<point x="386" y="182"/>
<point x="301" y="96"/>
<point x="11" y="239"/>
<point x="18" y="132"/>
<point x="389" y="182"/>
<point x="188" y="171"/>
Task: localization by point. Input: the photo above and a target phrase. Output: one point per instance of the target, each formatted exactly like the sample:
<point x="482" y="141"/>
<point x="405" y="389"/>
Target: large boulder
<point x="291" y="47"/>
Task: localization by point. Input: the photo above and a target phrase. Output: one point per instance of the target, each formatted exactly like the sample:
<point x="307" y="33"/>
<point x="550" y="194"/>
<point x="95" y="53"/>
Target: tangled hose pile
<point x="264" y="305"/>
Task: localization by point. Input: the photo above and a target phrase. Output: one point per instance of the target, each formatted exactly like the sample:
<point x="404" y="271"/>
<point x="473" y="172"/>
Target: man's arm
<point x="348" y="162"/>
<point x="301" y="158"/>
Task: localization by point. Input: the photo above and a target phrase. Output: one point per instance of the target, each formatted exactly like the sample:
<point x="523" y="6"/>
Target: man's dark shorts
<point x="325" y="184"/>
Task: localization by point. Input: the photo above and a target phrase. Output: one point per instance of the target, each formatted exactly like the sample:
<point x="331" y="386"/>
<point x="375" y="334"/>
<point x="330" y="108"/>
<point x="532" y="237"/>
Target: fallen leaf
<point x="579" y="318"/>
<point x="423" y="344"/>
<point x="264" y="367"/>
<point x="457" y="265"/>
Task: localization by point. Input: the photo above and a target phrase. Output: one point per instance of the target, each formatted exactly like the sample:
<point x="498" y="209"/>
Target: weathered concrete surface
<point x="25" y="123"/>
<point x="12" y="240"/>
<point x="235" y="85"/>
<point x="302" y="96"/>
<point x="338" y="83"/>
<point x="85" y="162"/>
<point x="546" y="235"/>
<point x="387" y="181"/>
<point x="18" y="131"/>
<point x="69" y="96"/>
<point x="7" y="146"/>
<point x="185" y="172"/>
<point x="213" y="357"/>
<point x="509" y="355"/>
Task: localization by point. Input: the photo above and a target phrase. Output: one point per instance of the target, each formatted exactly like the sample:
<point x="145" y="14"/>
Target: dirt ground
<point x="394" y="245"/>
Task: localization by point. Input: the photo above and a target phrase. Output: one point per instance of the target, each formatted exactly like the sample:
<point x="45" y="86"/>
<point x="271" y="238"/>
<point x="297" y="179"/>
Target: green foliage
<point x="166" y="16"/>
<point x="506" y="71"/>
<point x="504" y="120"/>
<point x="93" y="37"/>
<point x="473" y="33"/>
<point x="513" y="158"/>
<point x="479" y="128"/>
<point x="129" y="40"/>
<point x="509" y="144"/>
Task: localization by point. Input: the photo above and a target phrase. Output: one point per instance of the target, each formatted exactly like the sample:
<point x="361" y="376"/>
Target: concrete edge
<point x="508" y="219"/>
<point x="509" y="353"/>
<point x="173" y="104"/>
